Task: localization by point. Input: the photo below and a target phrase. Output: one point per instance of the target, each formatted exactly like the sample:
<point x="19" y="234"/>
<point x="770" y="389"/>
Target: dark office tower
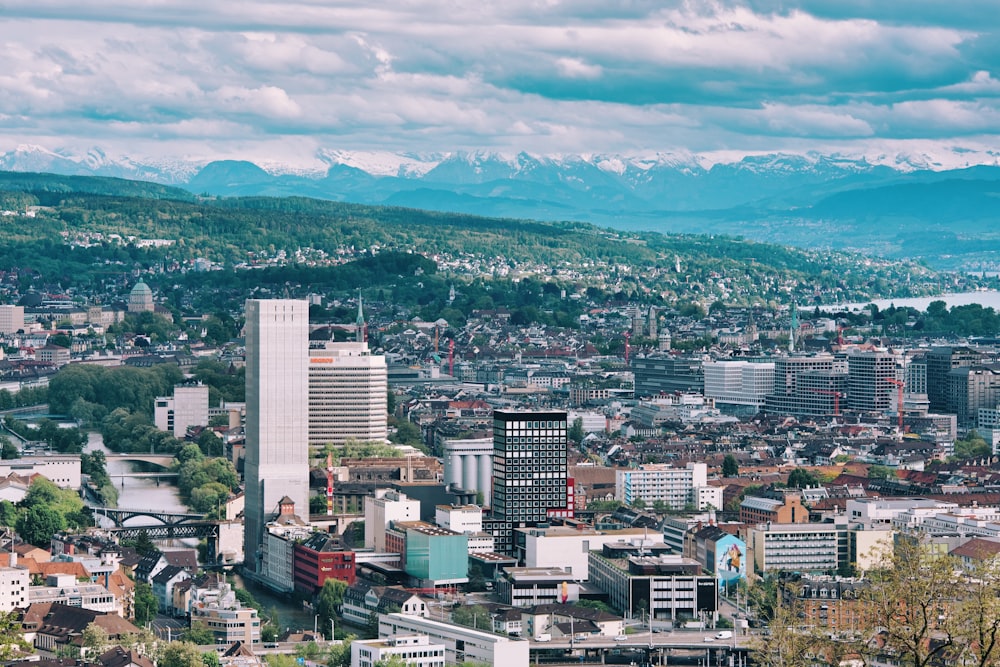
<point x="530" y="480"/>
<point x="871" y="381"/>
<point x="941" y="361"/>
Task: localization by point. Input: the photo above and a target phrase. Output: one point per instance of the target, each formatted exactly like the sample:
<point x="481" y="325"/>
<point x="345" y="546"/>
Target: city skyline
<point x="282" y="84"/>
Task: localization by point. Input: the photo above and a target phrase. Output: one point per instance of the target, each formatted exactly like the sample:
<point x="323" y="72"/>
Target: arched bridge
<point x="162" y="460"/>
<point x="119" y="516"/>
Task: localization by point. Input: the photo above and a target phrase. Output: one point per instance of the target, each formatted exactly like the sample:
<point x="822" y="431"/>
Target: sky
<point x="278" y="81"/>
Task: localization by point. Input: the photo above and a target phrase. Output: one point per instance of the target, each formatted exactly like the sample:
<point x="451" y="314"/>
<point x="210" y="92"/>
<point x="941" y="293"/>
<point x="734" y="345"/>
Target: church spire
<point x="360" y="322"/>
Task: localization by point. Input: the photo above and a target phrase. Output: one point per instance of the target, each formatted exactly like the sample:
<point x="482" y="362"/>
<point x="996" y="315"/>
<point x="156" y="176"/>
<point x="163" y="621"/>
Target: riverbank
<point x="985" y="298"/>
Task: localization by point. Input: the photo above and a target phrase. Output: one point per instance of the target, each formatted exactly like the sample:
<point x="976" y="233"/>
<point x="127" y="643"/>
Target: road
<point x="674" y="639"/>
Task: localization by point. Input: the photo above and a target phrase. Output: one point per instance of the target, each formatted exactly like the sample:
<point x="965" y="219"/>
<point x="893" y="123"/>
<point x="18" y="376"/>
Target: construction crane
<point x="329" y="484"/>
<point x="837" y="395"/>
<point x="899" y="401"/>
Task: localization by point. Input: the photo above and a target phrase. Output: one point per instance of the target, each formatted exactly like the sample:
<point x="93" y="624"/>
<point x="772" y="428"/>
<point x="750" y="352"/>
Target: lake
<point x="987" y="299"/>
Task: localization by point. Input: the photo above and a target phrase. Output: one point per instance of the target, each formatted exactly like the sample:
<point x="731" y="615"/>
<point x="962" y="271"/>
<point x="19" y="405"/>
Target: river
<point x="144" y="493"/>
<point x="138" y="493"/>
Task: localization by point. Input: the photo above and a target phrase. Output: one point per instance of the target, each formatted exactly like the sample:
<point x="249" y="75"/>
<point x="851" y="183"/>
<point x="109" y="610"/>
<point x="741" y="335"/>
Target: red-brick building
<point x="322" y="557"/>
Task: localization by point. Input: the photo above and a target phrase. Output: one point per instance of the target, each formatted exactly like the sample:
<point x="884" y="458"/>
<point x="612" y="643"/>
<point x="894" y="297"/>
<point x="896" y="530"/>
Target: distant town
<point x="655" y="484"/>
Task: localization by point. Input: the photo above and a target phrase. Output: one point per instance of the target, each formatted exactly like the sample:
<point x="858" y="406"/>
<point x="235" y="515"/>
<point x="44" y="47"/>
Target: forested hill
<point x="94" y="215"/>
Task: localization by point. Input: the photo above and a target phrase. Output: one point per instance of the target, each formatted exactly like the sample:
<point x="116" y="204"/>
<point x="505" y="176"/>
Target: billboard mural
<point x="730" y="560"/>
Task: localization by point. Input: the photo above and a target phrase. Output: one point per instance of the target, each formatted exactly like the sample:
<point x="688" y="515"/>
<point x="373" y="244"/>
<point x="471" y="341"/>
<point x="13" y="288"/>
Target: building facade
<point x="413" y="650"/>
<point x="187" y="407"/>
<point x="277" y="397"/>
<point x="461" y="644"/>
<point x="530" y="471"/>
<point x="348" y="394"/>
<point x="676" y="487"/>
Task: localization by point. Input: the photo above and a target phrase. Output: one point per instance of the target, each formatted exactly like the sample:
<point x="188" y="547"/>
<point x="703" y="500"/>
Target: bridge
<point x="167" y="519"/>
<point x="193" y="529"/>
<point x="162" y="460"/>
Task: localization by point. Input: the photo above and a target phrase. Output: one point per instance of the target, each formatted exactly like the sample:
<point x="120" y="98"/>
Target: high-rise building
<point x="662" y="373"/>
<point x="941" y="361"/>
<point x="530" y="472"/>
<point x="348" y="394"/>
<point x="870" y="381"/>
<point x="807" y="385"/>
<point x="277" y="403"/>
<point x="187" y="407"/>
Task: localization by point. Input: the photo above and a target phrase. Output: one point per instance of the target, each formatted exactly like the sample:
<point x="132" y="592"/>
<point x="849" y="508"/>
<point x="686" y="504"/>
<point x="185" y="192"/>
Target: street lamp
<point x="332" y="636"/>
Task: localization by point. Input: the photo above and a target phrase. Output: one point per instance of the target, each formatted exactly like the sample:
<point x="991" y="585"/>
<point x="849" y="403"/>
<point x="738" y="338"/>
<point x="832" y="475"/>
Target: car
<point x="581" y="636"/>
<point x="621" y="638"/>
<point x="657" y="630"/>
<point x="710" y="639"/>
<point x="725" y="634"/>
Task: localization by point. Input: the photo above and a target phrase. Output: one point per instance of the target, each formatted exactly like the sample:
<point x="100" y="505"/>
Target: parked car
<point x="620" y="638"/>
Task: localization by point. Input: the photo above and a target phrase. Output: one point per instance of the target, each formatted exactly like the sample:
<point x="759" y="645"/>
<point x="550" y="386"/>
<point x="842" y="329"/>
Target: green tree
<point x="94" y="640"/>
<point x="972" y="446"/>
<point x="146" y="604"/>
<point x="8" y="514"/>
<point x="472" y="616"/>
<point x="198" y="633"/>
<point x="407" y="433"/>
<point x="730" y="466"/>
<point x="881" y="472"/>
<point x="39" y="524"/>
<point x="12" y="641"/>
<point x="209" y="443"/>
<point x="576" y="431"/>
<point x="8" y="450"/>
<point x="330" y="597"/>
<point x="210" y="659"/>
<point x="800" y="478"/>
<point x="180" y="654"/>
<point x="638" y="504"/>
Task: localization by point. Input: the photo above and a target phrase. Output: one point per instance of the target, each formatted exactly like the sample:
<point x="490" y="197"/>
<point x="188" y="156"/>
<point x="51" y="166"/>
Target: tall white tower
<point x="277" y="400"/>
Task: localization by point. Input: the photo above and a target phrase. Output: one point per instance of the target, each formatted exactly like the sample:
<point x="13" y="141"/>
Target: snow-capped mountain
<point x="593" y="187"/>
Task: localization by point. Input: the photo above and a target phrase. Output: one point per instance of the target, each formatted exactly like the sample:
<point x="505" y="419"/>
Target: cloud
<point x="540" y="75"/>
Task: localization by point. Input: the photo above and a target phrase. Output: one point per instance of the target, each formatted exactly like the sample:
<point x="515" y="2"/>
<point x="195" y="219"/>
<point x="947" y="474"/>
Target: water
<point x="144" y="493"/>
<point x="138" y="493"/>
<point x="987" y="299"/>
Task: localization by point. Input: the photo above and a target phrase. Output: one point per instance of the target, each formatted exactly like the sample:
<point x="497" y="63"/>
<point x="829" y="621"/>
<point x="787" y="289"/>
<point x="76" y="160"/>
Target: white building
<point x="348" y="394"/>
<point x="13" y="586"/>
<point x="569" y="548"/>
<point x="461" y="644"/>
<point x="414" y="650"/>
<point x="387" y="506"/>
<point x="677" y="487"/>
<point x="187" y="407"/>
<point x="61" y="470"/>
<point x="738" y="384"/>
<point x="799" y="547"/>
<point x="592" y="422"/>
<point x="66" y="589"/>
<point x="459" y="518"/>
<point x="277" y="397"/>
<point x="11" y="319"/>
<point x="277" y="558"/>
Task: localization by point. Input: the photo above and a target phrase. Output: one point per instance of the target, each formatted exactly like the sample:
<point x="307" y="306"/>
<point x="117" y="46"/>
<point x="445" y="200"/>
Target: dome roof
<point x="141" y="288"/>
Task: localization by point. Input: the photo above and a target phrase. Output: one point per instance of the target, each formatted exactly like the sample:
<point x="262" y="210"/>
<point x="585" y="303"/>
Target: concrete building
<point x="738" y="387"/>
<point x="530" y="586"/>
<point x="468" y="464"/>
<point x="277" y="397"/>
<point x="386" y="507"/>
<point x="677" y="487"/>
<point x="569" y="547"/>
<point x="61" y="470"/>
<point x="941" y="361"/>
<point x="11" y="319"/>
<point x="972" y="389"/>
<point x="14" y="586"/>
<point x="658" y="374"/>
<point x="808" y="385"/>
<point x="348" y="394"/>
<point x="466" y="519"/>
<point x="416" y="650"/>
<point x="530" y="472"/>
<point x="187" y="407"/>
<point x="461" y="644"/>
<point x="276" y="568"/>
<point x="870" y="377"/>
<point x="667" y="587"/>
<point x="819" y="548"/>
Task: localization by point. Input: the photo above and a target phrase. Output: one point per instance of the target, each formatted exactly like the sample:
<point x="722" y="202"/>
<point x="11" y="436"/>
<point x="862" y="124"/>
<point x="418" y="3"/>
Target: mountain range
<point x="910" y="205"/>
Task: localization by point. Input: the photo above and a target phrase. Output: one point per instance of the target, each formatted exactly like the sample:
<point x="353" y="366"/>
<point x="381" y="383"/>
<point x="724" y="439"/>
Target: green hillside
<point x="84" y="225"/>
